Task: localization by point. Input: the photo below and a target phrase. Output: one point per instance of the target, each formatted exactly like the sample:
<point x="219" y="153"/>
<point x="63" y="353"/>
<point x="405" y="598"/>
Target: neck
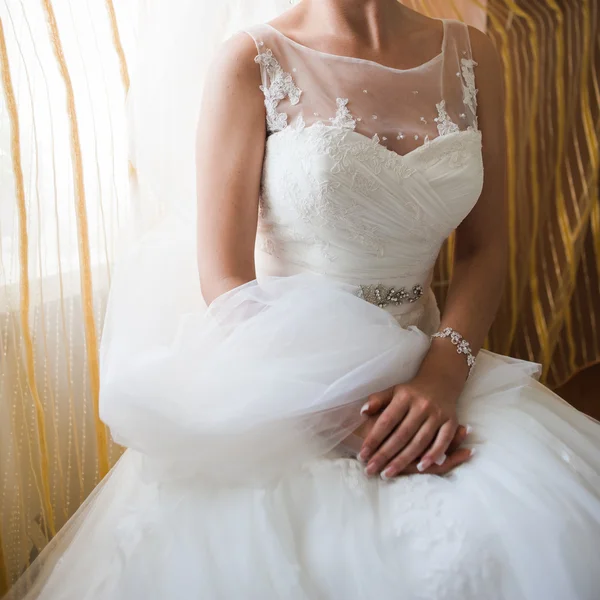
<point x="374" y="21"/>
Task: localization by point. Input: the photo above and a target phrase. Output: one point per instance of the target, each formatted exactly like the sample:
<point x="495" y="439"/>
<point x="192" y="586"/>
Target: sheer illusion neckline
<point x="365" y="61"/>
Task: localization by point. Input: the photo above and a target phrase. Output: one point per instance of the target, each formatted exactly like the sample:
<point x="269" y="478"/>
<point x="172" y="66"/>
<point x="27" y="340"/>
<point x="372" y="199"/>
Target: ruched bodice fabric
<point x="337" y="203"/>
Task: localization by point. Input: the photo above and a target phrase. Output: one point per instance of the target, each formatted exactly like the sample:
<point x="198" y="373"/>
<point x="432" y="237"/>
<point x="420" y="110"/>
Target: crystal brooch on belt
<point x="382" y="295"/>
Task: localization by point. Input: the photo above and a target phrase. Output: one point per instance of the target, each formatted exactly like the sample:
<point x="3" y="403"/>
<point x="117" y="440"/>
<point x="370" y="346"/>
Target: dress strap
<point x="457" y="38"/>
<point x="458" y="75"/>
<point x="258" y="33"/>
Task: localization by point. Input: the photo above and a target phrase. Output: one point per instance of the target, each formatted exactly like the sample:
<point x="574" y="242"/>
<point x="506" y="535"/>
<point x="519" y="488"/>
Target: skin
<point x="414" y="423"/>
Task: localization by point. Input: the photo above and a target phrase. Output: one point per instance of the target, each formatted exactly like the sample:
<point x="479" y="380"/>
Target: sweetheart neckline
<point x="375" y="139"/>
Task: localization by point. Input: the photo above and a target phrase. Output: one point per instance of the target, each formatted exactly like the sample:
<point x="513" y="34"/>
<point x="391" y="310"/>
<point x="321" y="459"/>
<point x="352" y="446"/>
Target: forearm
<point x="472" y="302"/>
<point x="481" y="238"/>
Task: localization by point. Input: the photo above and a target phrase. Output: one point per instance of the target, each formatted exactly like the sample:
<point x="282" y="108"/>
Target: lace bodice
<point x="367" y="168"/>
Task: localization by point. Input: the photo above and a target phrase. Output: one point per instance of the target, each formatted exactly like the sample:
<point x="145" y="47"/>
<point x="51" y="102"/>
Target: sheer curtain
<point x="64" y="195"/>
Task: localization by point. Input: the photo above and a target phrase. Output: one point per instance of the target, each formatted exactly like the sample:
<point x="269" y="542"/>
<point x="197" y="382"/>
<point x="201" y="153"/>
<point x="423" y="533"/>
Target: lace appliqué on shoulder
<point x="299" y="123"/>
<point x="469" y="91"/>
<point x="343" y="118"/>
<point x="281" y="86"/>
<point x="445" y="124"/>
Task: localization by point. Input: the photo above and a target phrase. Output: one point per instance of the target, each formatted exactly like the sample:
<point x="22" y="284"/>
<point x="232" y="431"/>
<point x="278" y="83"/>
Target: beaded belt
<point x="382" y="295"/>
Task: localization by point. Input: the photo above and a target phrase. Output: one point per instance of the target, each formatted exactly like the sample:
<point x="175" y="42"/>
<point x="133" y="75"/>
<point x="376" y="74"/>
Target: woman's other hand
<point x="416" y="423"/>
<point x="455" y="454"/>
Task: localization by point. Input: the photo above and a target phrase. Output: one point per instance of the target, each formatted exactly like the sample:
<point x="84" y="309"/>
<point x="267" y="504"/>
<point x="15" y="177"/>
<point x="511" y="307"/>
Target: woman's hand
<point x="456" y="455"/>
<point x="418" y="422"/>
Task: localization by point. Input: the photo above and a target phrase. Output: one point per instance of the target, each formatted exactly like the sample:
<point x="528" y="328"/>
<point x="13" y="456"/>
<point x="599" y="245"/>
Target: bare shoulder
<point x="484" y="52"/>
<point x="234" y="60"/>
<point x="234" y="81"/>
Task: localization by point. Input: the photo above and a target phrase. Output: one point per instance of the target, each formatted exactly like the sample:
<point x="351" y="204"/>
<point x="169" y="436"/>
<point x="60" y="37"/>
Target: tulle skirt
<point x="235" y="485"/>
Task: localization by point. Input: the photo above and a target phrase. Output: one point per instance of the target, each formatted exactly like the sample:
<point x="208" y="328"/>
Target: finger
<point x="415" y="448"/>
<point x="377" y="401"/>
<point x="438" y="449"/>
<point x="396" y="442"/>
<point x="385" y="424"/>
<point x="454" y="447"/>
<point x="454" y="460"/>
<point x="458" y="440"/>
<point x="462" y="433"/>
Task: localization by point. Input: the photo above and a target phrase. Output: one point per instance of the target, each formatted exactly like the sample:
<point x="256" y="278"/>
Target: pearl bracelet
<point x="462" y="346"/>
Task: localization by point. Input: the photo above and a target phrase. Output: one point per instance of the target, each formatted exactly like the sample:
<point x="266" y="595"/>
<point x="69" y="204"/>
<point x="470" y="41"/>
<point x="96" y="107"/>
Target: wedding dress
<point x="236" y="483"/>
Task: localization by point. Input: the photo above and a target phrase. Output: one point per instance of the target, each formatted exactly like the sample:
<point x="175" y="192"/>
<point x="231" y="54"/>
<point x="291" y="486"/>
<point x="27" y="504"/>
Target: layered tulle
<point x="271" y="375"/>
<point x="520" y="521"/>
<point x="234" y="486"/>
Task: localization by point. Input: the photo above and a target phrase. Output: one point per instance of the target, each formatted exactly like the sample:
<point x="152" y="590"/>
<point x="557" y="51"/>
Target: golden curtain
<point x="550" y="312"/>
<point x="63" y="194"/>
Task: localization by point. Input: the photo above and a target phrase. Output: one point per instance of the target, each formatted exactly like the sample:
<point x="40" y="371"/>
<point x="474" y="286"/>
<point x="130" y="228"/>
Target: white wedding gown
<point x="236" y="484"/>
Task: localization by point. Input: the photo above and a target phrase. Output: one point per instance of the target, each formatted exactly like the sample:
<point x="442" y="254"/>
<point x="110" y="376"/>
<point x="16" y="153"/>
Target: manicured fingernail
<point x="441" y="460"/>
<point x="363" y="456"/>
<point x="359" y="459"/>
<point x="371" y="468"/>
<point x="423" y="465"/>
<point x="387" y="474"/>
<point x="473" y="451"/>
<point x="365" y="408"/>
<point x="468" y="429"/>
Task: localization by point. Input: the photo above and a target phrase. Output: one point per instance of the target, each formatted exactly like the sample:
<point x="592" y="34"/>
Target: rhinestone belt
<point x="382" y="295"/>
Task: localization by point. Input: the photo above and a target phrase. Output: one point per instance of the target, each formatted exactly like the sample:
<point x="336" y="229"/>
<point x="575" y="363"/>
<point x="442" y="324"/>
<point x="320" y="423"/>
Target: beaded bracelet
<point x="462" y="346"/>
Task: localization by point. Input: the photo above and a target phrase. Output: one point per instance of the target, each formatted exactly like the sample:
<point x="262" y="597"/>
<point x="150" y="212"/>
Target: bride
<point x="311" y="433"/>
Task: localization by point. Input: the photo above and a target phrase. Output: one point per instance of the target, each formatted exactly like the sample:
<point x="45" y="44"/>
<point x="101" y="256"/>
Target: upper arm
<point x="486" y="223"/>
<point x="230" y="143"/>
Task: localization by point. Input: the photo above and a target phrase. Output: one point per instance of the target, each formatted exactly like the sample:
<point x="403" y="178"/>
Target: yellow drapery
<point x="550" y="310"/>
<point x="64" y="69"/>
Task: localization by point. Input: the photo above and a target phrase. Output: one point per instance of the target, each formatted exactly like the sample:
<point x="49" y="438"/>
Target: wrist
<point x="461" y="344"/>
<point x="444" y="363"/>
